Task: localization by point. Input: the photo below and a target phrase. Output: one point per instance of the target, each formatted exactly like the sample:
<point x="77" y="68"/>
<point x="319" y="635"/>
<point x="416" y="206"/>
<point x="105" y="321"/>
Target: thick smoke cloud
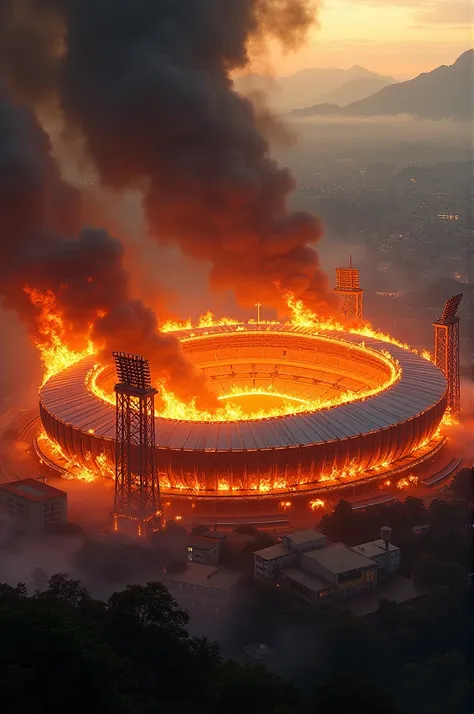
<point x="148" y="84"/>
<point x="43" y="246"/>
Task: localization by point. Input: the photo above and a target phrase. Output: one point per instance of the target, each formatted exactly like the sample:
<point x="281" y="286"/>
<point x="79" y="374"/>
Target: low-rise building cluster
<point x="315" y="570"/>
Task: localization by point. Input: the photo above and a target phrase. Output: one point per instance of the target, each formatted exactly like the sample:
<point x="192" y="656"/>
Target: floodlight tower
<point x="446" y="349"/>
<point x="137" y="505"/>
<point x="347" y="285"/>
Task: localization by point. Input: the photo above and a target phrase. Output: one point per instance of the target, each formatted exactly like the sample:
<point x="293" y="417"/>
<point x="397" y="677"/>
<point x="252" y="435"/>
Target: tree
<point x="63" y="589"/>
<point x="430" y="572"/>
<point x="149" y="605"/>
<point x="341" y="695"/>
<point x="341" y="525"/>
<point x="352" y="647"/>
<point x="462" y="486"/>
<point x="40" y="578"/>
<point x="253" y="685"/>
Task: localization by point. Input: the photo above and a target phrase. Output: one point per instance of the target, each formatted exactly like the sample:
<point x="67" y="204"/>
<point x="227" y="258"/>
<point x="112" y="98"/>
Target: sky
<point x="400" y="38"/>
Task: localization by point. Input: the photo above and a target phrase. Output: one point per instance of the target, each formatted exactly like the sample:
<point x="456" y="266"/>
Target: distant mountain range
<point x="314" y="86"/>
<point x="446" y="92"/>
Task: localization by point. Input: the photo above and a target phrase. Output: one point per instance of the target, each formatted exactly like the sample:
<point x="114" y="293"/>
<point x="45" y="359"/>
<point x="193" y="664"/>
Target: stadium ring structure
<point x="298" y="453"/>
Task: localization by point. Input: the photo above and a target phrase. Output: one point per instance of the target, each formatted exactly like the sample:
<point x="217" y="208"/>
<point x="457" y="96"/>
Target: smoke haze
<point x="49" y="261"/>
<point x="148" y="85"/>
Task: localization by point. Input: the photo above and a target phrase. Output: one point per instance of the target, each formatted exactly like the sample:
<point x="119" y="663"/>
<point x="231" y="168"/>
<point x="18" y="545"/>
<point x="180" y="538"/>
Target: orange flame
<point x="72" y="469"/>
<point x="54" y="353"/>
<point x="173" y="408"/>
<point x="407" y="482"/>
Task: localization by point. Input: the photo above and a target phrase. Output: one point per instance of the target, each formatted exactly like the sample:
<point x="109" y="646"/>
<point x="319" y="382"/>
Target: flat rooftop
<point x="203" y="543"/>
<point x="273" y="552"/>
<point x="308" y="580"/>
<point x="32" y="490"/>
<point x="374" y="548"/>
<point x="397" y="588"/>
<point x="208" y="576"/>
<point x="305" y="536"/>
<point x="339" y="558"/>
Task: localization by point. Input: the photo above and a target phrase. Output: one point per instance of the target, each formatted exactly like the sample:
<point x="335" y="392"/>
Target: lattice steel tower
<point x="347" y="286"/>
<point x="137" y="505"/>
<point x="446" y="355"/>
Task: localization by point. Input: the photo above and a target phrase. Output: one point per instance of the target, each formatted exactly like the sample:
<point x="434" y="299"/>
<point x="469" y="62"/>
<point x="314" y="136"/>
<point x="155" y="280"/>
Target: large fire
<point x="175" y="409"/>
<point x="54" y="352"/>
<point x="56" y="356"/>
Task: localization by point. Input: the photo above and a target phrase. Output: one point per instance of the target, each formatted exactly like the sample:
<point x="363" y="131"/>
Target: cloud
<point x="450" y="13"/>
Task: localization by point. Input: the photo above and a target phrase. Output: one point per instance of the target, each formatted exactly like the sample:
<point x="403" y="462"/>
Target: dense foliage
<point x="61" y="648"/>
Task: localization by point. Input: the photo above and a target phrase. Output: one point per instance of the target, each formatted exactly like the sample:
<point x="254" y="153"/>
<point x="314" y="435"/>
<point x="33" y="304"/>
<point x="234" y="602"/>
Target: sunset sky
<point x="398" y="37"/>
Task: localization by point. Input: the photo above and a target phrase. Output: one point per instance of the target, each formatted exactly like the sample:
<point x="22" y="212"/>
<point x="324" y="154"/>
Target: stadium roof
<point x="421" y="385"/>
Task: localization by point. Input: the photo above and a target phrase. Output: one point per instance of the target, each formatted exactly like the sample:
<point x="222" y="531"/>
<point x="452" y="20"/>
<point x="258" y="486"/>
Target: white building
<point x="385" y="554"/>
<point x="269" y="561"/>
<point x="34" y="506"/>
<point x="301" y="541"/>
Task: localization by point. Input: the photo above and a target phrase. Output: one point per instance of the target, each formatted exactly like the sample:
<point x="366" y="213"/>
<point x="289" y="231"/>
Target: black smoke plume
<point x="44" y="248"/>
<point x="149" y="86"/>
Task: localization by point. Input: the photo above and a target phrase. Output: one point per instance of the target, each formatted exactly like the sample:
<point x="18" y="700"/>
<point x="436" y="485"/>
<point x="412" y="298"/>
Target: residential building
<point x="268" y="562"/>
<point x="34" y="506"/>
<point x="204" y="551"/>
<point x="203" y="588"/>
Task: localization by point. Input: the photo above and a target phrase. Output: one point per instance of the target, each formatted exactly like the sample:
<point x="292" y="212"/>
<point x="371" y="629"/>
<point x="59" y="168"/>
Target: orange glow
<point x="316" y="503"/>
<point x="304" y="317"/>
<point x="206" y="320"/>
<point x="173" y="408"/>
<point x="72" y="468"/>
<point x="407" y="482"/>
<point x="55" y="354"/>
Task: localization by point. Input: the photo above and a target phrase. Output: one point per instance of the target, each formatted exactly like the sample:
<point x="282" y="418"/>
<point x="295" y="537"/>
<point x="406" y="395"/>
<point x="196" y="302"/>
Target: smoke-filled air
<point x="148" y="88"/>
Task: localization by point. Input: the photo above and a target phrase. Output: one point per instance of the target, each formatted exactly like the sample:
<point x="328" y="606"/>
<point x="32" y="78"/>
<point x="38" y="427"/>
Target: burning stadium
<point x="245" y="411"/>
<point x="304" y="410"/>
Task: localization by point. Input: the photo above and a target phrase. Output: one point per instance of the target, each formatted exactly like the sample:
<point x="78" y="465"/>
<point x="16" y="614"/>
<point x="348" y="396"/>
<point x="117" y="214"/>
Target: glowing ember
<point x="407" y="482"/>
<point x="317" y="503"/>
<point x="55" y="354"/>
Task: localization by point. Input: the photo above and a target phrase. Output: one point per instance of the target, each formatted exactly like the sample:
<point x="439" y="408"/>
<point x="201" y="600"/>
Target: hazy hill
<point x="309" y="86"/>
<point x="442" y="93"/>
<point x="355" y="89"/>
